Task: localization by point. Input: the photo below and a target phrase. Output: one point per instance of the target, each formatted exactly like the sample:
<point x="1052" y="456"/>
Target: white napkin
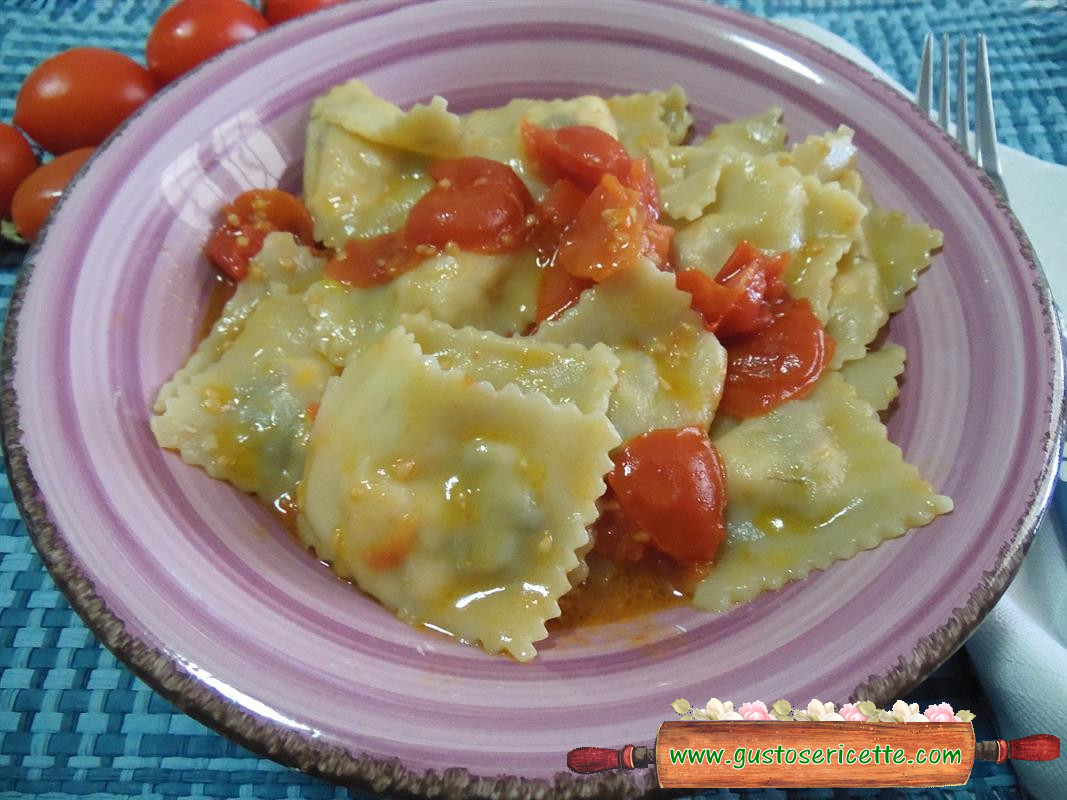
<point x="1020" y="650"/>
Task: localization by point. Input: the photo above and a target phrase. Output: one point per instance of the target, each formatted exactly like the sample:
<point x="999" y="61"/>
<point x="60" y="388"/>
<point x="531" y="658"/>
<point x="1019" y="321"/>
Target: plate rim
<point x="334" y="763"/>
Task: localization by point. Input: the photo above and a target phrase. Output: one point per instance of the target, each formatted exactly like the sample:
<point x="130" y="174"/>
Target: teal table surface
<point x="74" y="722"/>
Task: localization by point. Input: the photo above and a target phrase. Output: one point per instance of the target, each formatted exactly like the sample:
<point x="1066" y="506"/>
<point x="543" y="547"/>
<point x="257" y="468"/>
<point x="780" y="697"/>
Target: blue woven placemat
<point x="74" y="722"/>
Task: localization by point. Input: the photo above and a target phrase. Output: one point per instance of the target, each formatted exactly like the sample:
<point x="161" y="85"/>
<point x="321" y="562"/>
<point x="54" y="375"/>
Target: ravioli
<point x="901" y="250"/>
<point x="827" y="156"/>
<point x="564" y="374"/>
<point x="687" y="178"/>
<point x="496" y="293"/>
<point x="650" y="120"/>
<point x="857" y="310"/>
<point x="813" y="482"/>
<point x="495" y="132"/>
<point x="874" y="377"/>
<point x="462" y="506"/>
<point x="280" y="267"/>
<point x="356" y="188"/>
<point x="245" y="417"/>
<point x="776" y="208"/>
<point x="757" y="135"/>
<point x="671" y="369"/>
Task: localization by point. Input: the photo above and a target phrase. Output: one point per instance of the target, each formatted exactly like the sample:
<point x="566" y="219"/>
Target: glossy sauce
<point x="615" y="592"/>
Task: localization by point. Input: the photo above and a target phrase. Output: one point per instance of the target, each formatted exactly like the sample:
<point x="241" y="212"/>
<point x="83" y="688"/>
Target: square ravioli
<point x="813" y="482"/>
<point x="455" y="504"/>
<point x="671" y="371"/>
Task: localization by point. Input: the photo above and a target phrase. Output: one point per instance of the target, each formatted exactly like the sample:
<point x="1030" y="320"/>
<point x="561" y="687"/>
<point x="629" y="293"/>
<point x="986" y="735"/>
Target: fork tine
<point x="942" y="106"/>
<point x="963" y="124"/>
<point x="985" y="129"/>
<point x="924" y="94"/>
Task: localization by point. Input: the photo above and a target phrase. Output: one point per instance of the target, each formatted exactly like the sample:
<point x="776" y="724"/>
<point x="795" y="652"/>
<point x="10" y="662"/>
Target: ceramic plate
<point x="204" y="594"/>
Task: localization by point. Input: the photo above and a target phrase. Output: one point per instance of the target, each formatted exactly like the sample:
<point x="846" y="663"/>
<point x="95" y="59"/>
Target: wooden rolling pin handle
<point x="587" y="760"/>
<point x="1039" y="747"/>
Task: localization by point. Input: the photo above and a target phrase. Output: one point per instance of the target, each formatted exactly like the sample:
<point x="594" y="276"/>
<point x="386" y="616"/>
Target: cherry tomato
<point x="608" y="235"/>
<point x="581" y="153"/>
<point x="373" y="262"/>
<point x="78" y="97"/>
<point x="475" y="170"/>
<point x="280" y="10"/>
<point x="36" y="195"/>
<point x="477" y="203"/>
<point x="617" y="536"/>
<point x="640" y="177"/>
<point x="192" y="31"/>
<point x="246" y="223"/>
<point x="557" y="212"/>
<point x="558" y="291"/>
<point x="17" y="161"/>
<point x="672" y="484"/>
<point x="742" y="298"/>
<point x="779" y="363"/>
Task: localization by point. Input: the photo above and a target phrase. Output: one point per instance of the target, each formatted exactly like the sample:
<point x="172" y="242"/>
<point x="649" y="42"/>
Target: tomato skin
<point x="558" y="291"/>
<point x="247" y="221"/>
<point x="36" y="195"/>
<point x="779" y="363"/>
<point x="470" y="170"/>
<point x="742" y="298"/>
<point x="192" y="31"/>
<point x="277" y="11"/>
<point x="581" y="153"/>
<point x="672" y="484"/>
<point x="17" y="162"/>
<point x="364" y="263"/>
<point x="478" y="204"/>
<point x="608" y="235"/>
<point x="78" y="97"/>
<point x="618" y="537"/>
<point x="640" y="177"/>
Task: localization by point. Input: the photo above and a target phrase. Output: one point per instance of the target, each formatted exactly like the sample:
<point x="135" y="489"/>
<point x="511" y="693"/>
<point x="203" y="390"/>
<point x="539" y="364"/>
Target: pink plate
<point x="205" y="596"/>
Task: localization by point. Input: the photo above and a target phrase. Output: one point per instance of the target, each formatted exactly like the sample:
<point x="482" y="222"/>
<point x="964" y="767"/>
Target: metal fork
<point x="984" y="151"/>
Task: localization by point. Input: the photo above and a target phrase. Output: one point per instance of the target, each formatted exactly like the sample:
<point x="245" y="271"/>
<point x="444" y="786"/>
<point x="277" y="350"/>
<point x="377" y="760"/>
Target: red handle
<point x="586" y="760"/>
<point x="1039" y="747"/>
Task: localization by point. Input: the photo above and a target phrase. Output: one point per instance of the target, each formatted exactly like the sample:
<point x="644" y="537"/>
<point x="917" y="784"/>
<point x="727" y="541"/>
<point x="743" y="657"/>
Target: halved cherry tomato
<point x="280" y="10"/>
<point x="192" y="31"/>
<point x="78" y="97"/>
<point x="475" y="171"/>
<point x="477" y="203"/>
<point x="742" y="297"/>
<point x="246" y="223"/>
<point x="640" y="177"/>
<point x="373" y="262"/>
<point x="779" y="363"/>
<point x="582" y="153"/>
<point x="608" y="235"/>
<point x="671" y="482"/>
<point x="36" y="195"/>
<point x="17" y="162"/>
<point x="555" y="214"/>
<point x="558" y="291"/>
<point x="617" y="536"/>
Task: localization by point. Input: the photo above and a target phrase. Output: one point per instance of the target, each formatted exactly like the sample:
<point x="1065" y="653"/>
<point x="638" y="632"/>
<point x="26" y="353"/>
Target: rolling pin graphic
<point x="753" y="753"/>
